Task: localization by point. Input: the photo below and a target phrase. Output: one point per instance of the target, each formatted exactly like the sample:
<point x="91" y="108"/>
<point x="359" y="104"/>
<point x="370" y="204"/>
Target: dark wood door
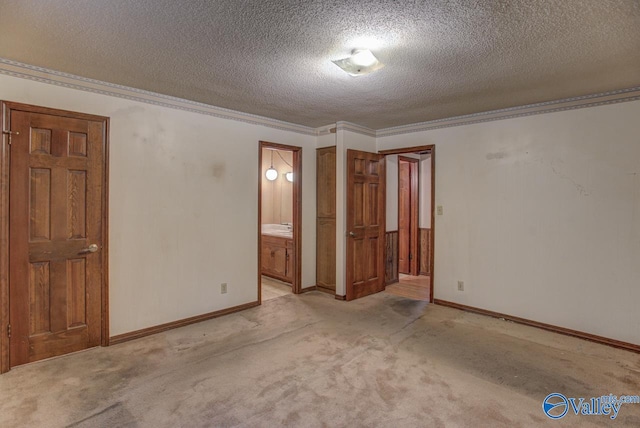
<point x="408" y="216"/>
<point x="365" y="223"/>
<point x="55" y="220"/>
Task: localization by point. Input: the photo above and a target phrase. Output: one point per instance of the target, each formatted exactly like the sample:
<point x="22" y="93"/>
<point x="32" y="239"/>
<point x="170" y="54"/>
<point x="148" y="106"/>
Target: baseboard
<point x="338" y="297"/>
<point x="554" y="328"/>
<point x="322" y="289"/>
<point x="307" y="289"/>
<point x="125" y="337"/>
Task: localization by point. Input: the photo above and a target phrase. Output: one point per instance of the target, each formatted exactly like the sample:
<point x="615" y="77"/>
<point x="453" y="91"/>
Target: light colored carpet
<point x="311" y="360"/>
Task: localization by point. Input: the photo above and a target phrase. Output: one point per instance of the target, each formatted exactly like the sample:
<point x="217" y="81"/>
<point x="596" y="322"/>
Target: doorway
<point x="53" y="234"/>
<point x="279" y="220"/>
<point x="409" y="251"/>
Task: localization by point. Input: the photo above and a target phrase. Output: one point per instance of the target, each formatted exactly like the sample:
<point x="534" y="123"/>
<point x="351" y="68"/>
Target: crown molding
<point x="58" y="78"/>
<point x="593" y="100"/>
<point x="326" y="129"/>
<point x="353" y="127"/>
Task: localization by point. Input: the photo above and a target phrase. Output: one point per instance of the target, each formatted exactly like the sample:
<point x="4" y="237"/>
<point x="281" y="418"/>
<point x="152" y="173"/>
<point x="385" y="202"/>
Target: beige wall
<point x="541" y="216"/>
<point x="183" y="204"/>
<point x="277" y="195"/>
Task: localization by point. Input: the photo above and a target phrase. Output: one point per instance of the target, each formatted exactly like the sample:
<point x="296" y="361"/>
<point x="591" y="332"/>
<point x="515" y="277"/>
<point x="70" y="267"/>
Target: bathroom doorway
<point x="279" y="220"/>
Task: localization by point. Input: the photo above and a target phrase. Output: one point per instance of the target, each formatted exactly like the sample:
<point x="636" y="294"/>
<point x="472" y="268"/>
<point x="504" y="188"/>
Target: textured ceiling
<point x="273" y="58"/>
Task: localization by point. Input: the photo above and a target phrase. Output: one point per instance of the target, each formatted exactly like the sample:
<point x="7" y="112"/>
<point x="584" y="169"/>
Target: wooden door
<point x="408" y="216"/>
<point x="365" y="223"/>
<point x="56" y="225"/>
<point x="326" y="219"/>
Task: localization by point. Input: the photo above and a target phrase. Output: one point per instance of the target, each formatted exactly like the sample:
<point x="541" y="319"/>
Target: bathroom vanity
<point x="277" y="252"/>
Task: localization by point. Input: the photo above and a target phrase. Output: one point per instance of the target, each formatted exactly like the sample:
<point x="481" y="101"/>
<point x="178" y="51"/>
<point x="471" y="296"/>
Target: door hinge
<point x="9" y="330"/>
<point x="410" y="256"/>
<point x="10" y="133"/>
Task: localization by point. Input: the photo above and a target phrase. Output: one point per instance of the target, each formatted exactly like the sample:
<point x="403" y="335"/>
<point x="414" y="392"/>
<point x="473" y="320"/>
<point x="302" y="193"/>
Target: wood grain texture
<point x="57" y="309"/>
<point x="277" y="258"/>
<point x="366" y="181"/>
<point x="326" y="218"/>
<point x="408" y="200"/>
<point x="550" y="327"/>
<point x="4" y="240"/>
<point x="391" y="257"/>
<point x="425" y="252"/>
<point x="40" y="204"/>
<point x="39" y="290"/>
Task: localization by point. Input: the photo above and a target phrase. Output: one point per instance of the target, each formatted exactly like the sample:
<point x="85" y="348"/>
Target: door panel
<point x="55" y="214"/>
<point x="404" y="216"/>
<point x="408" y="216"/>
<point x="365" y="223"/>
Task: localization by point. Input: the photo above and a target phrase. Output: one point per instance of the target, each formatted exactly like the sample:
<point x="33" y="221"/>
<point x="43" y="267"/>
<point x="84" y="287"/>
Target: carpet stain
<point x="302" y="360"/>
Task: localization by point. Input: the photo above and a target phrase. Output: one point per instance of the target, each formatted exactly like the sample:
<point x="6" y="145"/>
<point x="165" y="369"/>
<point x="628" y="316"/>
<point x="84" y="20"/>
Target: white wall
<point x="542" y="216"/>
<point x="183" y="204"/>
<point x="425" y="192"/>
<point x="345" y="140"/>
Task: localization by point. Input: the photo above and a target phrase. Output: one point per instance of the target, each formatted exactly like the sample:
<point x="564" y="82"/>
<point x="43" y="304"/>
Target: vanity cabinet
<point x="277" y="258"/>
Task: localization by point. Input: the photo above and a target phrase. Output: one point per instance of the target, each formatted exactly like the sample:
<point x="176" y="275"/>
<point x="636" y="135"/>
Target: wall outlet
<point x="460" y="285"/>
<point x="439" y="210"/>
<point x="223" y="288"/>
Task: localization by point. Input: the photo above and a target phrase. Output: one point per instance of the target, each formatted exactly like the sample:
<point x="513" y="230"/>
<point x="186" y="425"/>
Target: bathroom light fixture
<point x="271" y="173"/>
<point x="289" y="176"/>
<point x="361" y="62"/>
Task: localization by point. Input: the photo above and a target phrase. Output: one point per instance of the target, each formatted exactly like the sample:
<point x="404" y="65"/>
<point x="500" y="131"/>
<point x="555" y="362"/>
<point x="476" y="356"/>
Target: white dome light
<point x="271" y="174"/>
<point x="363" y="57"/>
<point x="361" y="62"/>
<point x="289" y="176"/>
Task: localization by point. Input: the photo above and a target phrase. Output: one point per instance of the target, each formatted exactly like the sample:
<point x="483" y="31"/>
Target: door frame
<point x="414" y="213"/>
<point x="431" y="148"/>
<point x="5" y="164"/>
<point x="296" y="285"/>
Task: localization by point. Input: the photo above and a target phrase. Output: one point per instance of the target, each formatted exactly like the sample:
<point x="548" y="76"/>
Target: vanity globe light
<point x="271" y="174"/>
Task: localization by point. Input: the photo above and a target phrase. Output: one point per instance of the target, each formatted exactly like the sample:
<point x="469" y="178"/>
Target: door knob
<point x="351" y="234"/>
<point x="90" y="249"/>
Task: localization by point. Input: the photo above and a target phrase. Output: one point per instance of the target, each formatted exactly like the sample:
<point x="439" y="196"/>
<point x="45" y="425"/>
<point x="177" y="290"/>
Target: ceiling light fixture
<point x="289" y="176"/>
<point x="271" y="173"/>
<point x="361" y="62"/>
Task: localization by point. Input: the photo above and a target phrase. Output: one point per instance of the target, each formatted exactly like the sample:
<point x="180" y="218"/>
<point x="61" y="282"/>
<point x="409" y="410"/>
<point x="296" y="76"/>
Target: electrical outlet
<point x="223" y="288"/>
<point x="439" y="209"/>
<point x="460" y="285"/>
